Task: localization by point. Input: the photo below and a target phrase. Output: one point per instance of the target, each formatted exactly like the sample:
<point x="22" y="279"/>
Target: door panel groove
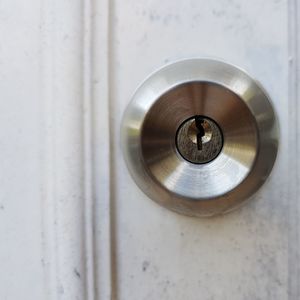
<point x="294" y="150"/>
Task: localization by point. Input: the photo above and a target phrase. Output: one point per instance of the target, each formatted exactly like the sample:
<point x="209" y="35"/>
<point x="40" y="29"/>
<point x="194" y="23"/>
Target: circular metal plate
<point x="219" y="92"/>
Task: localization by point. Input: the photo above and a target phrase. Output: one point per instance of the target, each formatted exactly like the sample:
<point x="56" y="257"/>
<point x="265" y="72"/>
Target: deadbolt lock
<point x="200" y="137"/>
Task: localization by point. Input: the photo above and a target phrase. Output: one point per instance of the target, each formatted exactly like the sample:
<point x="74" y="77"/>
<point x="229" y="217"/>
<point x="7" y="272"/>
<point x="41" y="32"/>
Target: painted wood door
<point x="73" y="224"/>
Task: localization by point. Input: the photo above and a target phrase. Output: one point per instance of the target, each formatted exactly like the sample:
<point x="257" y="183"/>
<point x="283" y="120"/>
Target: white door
<point x="73" y="224"/>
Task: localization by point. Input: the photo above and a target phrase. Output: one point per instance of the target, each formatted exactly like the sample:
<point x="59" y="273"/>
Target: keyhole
<point x="199" y="139"/>
<point x="201" y="132"/>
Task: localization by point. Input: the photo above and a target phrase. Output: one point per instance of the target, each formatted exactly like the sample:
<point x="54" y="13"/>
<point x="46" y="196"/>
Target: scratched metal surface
<point x="188" y="139"/>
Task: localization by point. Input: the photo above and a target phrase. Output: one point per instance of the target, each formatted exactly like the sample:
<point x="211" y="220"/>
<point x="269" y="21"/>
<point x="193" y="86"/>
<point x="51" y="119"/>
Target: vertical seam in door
<point x="102" y="150"/>
<point x="293" y="238"/>
<point x="65" y="91"/>
<point x="112" y="142"/>
<point x="87" y="152"/>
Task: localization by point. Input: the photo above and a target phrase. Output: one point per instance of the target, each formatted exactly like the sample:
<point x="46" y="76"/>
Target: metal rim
<point x="250" y="136"/>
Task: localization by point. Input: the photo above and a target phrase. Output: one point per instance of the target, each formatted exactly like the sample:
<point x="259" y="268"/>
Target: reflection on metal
<point x="200" y="137"/>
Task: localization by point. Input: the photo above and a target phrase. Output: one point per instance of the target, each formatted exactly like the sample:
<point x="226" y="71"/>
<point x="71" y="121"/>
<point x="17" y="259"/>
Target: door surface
<point x="73" y="224"/>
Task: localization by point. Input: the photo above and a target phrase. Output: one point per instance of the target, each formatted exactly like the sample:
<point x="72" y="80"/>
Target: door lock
<point x="200" y="137"/>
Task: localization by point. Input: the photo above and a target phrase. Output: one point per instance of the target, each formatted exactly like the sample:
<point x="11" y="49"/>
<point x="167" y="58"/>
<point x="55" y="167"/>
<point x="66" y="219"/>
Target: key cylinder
<point x="199" y="140"/>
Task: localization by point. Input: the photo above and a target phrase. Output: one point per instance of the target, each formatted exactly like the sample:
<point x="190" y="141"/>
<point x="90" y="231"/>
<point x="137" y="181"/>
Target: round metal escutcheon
<point x="200" y="137"/>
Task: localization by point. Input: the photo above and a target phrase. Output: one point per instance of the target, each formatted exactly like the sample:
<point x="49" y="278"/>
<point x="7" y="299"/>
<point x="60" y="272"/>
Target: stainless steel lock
<point x="200" y="137"/>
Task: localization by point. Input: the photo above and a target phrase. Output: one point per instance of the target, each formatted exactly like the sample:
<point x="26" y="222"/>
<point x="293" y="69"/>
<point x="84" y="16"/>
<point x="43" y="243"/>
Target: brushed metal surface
<point x="221" y="92"/>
